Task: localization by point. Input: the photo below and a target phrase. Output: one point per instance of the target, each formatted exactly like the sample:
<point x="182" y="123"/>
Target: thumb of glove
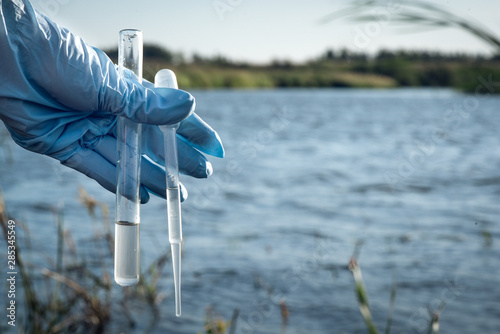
<point x="156" y="106"/>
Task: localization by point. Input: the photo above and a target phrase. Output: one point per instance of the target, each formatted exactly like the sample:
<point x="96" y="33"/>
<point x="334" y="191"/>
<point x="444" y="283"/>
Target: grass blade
<point x="416" y="12"/>
<point x="391" y="306"/>
<point x="362" y="296"/>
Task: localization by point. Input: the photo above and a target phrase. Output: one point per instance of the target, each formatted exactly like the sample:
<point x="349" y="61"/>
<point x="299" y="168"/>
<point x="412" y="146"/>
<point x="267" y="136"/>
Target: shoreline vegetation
<point x="342" y="68"/>
<point x="74" y="291"/>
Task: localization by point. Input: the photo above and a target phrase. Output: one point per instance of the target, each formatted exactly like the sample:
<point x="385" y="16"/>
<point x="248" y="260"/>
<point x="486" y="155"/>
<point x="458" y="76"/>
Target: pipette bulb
<point x="166" y="78"/>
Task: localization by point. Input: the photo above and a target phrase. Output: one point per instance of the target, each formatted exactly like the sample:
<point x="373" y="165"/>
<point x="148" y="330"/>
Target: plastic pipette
<point x="128" y="170"/>
<point x="166" y="78"/>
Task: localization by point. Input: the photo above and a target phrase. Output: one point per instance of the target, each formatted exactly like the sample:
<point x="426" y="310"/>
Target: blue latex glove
<point x="61" y="97"/>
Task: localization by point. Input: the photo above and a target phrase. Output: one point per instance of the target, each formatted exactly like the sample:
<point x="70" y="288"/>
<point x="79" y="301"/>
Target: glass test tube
<point x="128" y="170"/>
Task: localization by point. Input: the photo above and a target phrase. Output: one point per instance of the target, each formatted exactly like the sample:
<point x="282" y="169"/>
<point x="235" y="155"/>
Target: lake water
<point x="411" y="176"/>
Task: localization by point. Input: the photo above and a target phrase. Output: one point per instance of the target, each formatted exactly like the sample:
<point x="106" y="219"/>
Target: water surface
<point x="411" y="175"/>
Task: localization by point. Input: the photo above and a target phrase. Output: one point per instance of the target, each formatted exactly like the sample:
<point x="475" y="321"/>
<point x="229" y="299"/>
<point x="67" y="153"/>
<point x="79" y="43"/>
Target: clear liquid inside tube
<point x="175" y="239"/>
<point x="128" y="137"/>
<point x="127" y="253"/>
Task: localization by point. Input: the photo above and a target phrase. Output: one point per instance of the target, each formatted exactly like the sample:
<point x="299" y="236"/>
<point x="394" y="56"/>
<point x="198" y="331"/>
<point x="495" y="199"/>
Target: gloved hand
<point x="61" y="97"/>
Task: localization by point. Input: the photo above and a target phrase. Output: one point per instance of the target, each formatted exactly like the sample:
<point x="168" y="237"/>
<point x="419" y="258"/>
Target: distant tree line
<point x="411" y="55"/>
<point x="332" y="68"/>
<point x="156" y="52"/>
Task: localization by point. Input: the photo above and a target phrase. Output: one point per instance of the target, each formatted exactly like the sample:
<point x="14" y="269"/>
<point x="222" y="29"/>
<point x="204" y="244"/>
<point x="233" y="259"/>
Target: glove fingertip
<point x="213" y="146"/>
<point x="175" y="106"/>
<point x="184" y="193"/>
<point x="143" y="193"/>
<point x="198" y="134"/>
<point x="189" y="104"/>
<point x="217" y="149"/>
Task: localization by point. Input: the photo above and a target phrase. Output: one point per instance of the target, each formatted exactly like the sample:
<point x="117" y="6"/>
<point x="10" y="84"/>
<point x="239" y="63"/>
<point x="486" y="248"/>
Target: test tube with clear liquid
<point x="128" y="169"/>
<point x="166" y="78"/>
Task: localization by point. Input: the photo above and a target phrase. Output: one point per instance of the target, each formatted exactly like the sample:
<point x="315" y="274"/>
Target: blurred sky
<point x="257" y="30"/>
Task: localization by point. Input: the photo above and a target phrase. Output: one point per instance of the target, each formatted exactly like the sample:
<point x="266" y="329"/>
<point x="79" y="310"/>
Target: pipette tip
<point x="176" y="263"/>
